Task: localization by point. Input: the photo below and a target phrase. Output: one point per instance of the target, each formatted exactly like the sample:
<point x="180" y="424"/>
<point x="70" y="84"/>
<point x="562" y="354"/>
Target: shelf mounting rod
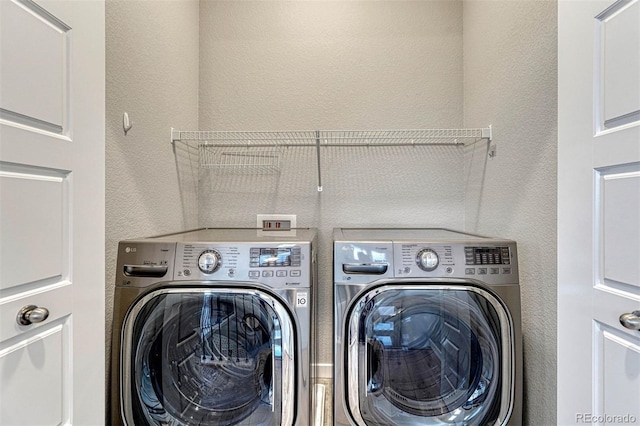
<point x="318" y="160"/>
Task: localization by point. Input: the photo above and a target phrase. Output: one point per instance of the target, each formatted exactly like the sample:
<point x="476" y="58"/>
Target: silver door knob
<point x="631" y="321"/>
<point x="31" y="314"/>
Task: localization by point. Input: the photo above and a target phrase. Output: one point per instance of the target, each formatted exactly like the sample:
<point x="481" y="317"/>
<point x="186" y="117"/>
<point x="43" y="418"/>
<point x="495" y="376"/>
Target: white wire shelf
<point x="335" y="137"/>
<point x="261" y="149"/>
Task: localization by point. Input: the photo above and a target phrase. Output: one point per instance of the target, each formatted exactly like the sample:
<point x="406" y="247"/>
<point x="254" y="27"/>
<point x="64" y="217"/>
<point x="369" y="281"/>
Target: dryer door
<point x="208" y="356"/>
<point x="428" y="354"/>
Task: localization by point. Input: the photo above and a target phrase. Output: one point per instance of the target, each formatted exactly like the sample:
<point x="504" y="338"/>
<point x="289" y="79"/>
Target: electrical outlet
<point x="276" y="222"/>
<point x="276" y="225"/>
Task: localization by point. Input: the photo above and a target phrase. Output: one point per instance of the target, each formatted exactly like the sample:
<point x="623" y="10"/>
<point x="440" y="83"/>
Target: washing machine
<point x="427" y="326"/>
<point x="214" y="327"/>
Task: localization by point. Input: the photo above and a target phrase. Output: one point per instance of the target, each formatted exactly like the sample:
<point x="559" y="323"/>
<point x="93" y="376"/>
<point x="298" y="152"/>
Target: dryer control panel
<point x="364" y="262"/>
<point x="494" y="264"/>
<point x="275" y="265"/>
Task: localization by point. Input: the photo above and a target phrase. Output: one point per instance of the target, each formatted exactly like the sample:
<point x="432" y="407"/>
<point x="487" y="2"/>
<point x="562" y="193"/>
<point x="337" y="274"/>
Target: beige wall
<point x="286" y="65"/>
<point x="510" y="81"/>
<point x="152" y="73"/>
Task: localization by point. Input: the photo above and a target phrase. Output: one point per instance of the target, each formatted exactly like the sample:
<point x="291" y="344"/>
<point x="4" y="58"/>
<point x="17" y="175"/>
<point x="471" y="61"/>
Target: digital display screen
<point x="487" y="256"/>
<point x="275" y="256"/>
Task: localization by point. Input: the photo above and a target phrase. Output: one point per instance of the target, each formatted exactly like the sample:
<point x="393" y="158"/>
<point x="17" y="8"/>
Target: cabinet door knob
<point x="31" y="314"/>
<point x="631" y="321"/>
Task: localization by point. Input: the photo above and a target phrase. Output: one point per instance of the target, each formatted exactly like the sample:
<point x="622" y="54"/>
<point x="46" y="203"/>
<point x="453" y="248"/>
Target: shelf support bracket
<point x="175" y="135"/>
<point x="492" y="149"/>
<point x="487" y="133"/>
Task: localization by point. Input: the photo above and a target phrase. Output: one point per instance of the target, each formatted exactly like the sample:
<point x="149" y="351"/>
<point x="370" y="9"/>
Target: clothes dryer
<point x="427" y="325"/>
<point x="214" y="327"/>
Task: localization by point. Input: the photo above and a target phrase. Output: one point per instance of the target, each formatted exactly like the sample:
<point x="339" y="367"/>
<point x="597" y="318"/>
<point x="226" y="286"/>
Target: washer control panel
<point x="493" y="264"/>
<point x="366" y="255"/>
<point x="275" y="265"/>
<point x="421" y="258"/>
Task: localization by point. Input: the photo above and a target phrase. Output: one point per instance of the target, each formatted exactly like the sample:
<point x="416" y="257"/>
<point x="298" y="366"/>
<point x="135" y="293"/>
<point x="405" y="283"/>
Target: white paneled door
<point x="599" y="212"/>
<point x="52" y="155"/>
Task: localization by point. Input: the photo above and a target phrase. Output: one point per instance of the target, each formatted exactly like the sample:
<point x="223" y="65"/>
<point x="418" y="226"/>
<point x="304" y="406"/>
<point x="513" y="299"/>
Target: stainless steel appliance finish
<point x="427" y="325"/>
<point x="214" y="327"/>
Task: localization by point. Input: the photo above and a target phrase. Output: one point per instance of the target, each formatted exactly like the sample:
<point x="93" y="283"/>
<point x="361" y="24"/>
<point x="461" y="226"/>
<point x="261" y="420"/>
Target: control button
<point x="231" y="272"/>
<point x="281" y="273"/>
<point x="254" y="274"/>
<point x="209" y="261"/>
<point x="295" y="273"/>
<point x="494" y="271"/>
<point x="470" y="271"/>
<point x="506" y="256"/>
<point x="267" y="274"/>
<point x="187" y="272"/>
<point x="482" y="271"/>
<point x="427" y="260"/>
<point x="506" y="270"/>
<point x="448" y="269"/>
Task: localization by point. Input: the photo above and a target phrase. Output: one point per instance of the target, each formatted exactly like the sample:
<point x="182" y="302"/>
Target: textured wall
<point x="152" y="73"/>
<point x="510" y="81"/>
<point x="283" y="65"/>
<point x="275" y="65"/>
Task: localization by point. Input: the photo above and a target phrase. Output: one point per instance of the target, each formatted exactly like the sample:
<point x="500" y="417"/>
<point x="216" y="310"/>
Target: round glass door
<point x="200" y="356"/>
<point x="420" y="355"/>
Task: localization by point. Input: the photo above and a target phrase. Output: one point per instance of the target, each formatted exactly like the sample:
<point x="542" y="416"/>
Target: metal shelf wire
<point x="256" y="151"/>
<point x="258" y="160"/>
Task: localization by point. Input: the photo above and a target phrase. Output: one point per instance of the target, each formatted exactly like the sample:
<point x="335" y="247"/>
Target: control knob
<point x="209" y="261"/>
<point x="427" y="260"/>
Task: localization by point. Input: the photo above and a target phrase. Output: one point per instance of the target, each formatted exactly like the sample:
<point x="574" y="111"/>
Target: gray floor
<point x="328" y="401"/>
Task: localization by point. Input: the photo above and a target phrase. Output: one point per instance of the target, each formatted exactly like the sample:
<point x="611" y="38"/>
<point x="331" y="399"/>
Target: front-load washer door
<point x="428" y="355"/>
<point x="205" y="356"/>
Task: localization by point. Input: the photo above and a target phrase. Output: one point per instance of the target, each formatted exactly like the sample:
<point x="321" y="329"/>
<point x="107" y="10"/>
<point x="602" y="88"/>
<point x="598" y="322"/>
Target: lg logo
<point x="130" y="250"/>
